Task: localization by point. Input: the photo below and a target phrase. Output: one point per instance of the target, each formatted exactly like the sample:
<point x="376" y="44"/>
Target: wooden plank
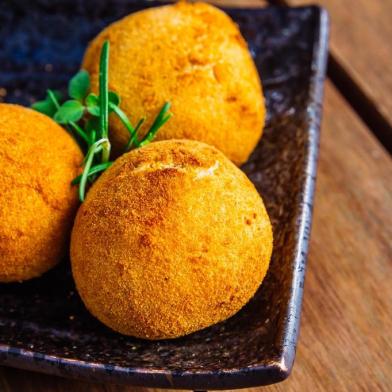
<point x="346" y="333"/>
<point x="361" y="45"/>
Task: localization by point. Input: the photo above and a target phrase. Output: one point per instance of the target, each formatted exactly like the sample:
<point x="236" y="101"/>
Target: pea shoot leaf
<point x="114" y="98"/>
<point x="92" y="102"/>
<point x="69" y="111"/>
<point x="47" y="105"/>
<point x="79" y="85"/>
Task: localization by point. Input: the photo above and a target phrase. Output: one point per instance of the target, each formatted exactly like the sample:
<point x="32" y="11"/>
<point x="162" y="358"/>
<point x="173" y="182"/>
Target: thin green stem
<point x="80" y="132"/>
<point x="124" y="119"/>
<point x="87" y="165"/>
<point x="159" y="121"/>
<point x="52" y="96"/>
<point x="135" y="140"/>
<point x="139" y="124"/>
<point x="93" y="135"/>
<point x="104" y="98"/>
<point x="75" y="126"/>
<point x="94" y="170"/>
<point x="94" y="149"/>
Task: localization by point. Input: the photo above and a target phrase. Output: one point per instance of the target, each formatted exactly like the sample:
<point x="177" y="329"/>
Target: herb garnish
<point x="86" y="116"/>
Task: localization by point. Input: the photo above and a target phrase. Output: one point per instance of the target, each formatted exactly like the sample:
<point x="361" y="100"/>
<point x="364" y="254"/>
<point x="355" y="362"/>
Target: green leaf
<point x="92" y="99"/>
<point x="94" y="110"/>
<point x="69" y="111"/>
<point x="92" y="103"/>
<point x="114" y="98"/>
<point x="92" y="126"/>
<point x="47" y="106"/>
<point x="79" y="85"/>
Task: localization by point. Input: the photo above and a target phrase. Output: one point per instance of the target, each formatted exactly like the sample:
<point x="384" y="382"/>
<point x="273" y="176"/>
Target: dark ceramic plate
<point x="43" y="324"/>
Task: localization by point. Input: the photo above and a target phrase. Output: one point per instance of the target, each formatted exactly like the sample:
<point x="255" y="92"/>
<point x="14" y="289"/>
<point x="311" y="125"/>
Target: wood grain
<point x="346" y="336"/>
<point x="361" y="32"/>
<point x="346" y="333"/>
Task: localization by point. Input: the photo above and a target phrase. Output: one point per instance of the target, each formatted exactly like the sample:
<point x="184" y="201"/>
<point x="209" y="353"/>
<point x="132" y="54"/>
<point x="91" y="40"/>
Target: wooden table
<point x="346" y="333"/>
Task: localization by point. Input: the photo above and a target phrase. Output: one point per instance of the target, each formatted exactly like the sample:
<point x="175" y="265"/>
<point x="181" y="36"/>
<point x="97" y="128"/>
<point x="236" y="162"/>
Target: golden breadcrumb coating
<point x="194" y="56"/>
<point x="38" y="160"/>
<point x="171" y="239"/>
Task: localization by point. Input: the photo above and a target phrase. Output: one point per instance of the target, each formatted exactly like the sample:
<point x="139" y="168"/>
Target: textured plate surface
<point x="43" y="324"/>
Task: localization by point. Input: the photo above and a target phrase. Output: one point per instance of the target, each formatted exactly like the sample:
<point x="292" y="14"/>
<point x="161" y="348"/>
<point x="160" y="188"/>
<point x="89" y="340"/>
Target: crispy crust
<point x="171" y="239"/>
<point x="194" y="56"/>
<point x="38" y="160"/>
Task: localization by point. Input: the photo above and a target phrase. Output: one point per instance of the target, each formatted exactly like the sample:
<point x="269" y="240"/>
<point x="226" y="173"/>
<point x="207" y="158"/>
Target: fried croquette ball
<point x="38" y="160"/>
<point x="194" y="56"/>
<point x="171" y="239"/>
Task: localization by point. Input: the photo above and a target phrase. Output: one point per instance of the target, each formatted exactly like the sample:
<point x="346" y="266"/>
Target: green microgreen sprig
<point x="86" y="116"/>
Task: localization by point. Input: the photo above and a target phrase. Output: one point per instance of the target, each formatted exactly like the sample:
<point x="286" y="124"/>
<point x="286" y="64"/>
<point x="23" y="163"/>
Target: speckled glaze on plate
<point x="44" y="325"/>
